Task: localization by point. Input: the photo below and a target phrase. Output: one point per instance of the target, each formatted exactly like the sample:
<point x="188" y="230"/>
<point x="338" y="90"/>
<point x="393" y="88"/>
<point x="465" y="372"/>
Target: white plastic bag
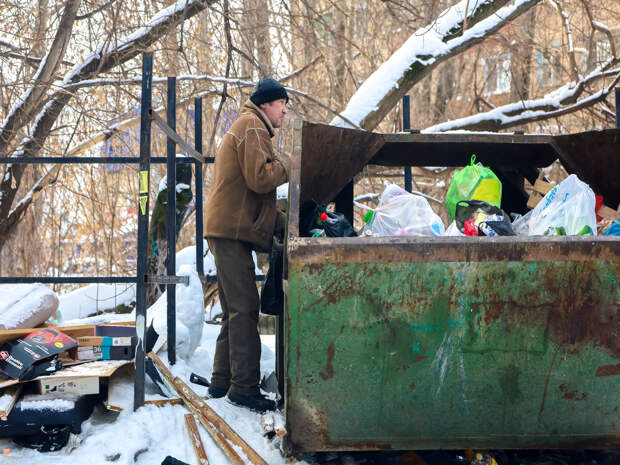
<point x="401" y="213"/>
<point x="521" y="225"/>
<point x="453" y="230"/>
<point x="567" y="209"/>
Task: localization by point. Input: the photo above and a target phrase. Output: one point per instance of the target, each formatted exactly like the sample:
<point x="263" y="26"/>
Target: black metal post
<point x="143" y="225"/>
<point x="171" y="184"/>
<point x="406" y="127"/>
<point x="618" y="107"/>
<point x="200" y="264"/>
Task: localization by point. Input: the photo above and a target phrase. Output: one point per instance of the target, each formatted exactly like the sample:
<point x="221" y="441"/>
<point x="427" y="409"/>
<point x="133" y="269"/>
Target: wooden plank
<point x="206" y="415"/>
<point x="194" y="436"/>
<point x="8" y="399"/>
<point x="175" y="137"/>
<point x="71" y="331"/>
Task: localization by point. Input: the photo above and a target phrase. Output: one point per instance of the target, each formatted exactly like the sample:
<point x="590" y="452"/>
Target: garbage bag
<point x="478" y="218"/>
<point x="474" y="182"/>
<point x="314" y="218"/>
<point x="521" y="224"/>
<point x="272" y="294"/>
<point x="400" y="213"/>
<point x="336" y="225"/>
<point x="567" y="209"/>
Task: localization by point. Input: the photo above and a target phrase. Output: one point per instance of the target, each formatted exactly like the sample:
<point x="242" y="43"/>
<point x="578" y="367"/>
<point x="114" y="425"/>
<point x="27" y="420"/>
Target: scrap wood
<point x="206" y="415"/>
<point x="194" y="435"/>
<point x="8" y="399"/>
<point x="215" y="433"/>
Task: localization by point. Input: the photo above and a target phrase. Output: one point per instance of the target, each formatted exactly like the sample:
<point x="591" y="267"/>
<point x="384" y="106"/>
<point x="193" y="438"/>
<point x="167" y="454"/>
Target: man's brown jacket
<point x="242" y="200"/>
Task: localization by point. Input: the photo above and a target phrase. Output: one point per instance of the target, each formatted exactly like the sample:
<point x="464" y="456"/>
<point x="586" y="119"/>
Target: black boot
<point x="216" y="392"/>
<point x="257" y="403"/>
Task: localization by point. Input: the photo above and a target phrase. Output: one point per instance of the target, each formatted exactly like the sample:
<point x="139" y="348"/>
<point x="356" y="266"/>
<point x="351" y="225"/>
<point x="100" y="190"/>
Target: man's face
<point x="275" y="111"/>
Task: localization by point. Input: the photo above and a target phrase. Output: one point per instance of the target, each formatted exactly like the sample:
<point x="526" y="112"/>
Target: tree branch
<point x="557" y="103"/>
<point x="423" y="51"/>
<point x="229" y="47"/>
<point x="95" y="11"/>
<point x="574" y="70"/>
<point x="29" y="103"/>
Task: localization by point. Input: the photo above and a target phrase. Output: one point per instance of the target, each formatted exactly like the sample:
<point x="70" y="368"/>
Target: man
<point x="241" y="216"/>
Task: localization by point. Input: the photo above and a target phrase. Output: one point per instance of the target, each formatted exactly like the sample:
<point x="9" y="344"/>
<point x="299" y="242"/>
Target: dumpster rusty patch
<point x="329" y="367"/>
<point x="608" y="370"/>
<point x="571" y="395"/>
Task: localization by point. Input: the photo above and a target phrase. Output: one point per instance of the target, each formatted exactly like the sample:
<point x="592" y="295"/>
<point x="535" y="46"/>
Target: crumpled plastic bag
<point x="474" y="182"/>
<point x="566" y="210"/>
<point x="521" y="224"/>
<point x="400" y="213"/>
<point x="478" y="218"/>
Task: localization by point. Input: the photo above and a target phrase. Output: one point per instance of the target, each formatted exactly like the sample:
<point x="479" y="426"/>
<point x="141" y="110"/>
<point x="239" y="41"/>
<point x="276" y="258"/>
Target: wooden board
<point x="194" y="436"/>
<point x="101" y="368"/>
<point x="71" y="331"/>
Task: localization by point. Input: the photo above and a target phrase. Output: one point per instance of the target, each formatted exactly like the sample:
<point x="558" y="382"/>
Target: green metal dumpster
<point x="449" y="342"/>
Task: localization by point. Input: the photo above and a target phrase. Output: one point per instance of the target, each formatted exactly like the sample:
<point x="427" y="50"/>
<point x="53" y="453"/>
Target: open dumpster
<point x="449" y="342"/>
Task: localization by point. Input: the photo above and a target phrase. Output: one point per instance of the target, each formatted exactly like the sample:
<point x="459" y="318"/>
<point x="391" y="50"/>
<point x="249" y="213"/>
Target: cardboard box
<point x="34" y="354"/>
<point x="81" y="386"/>
<point x="107" y="347"/>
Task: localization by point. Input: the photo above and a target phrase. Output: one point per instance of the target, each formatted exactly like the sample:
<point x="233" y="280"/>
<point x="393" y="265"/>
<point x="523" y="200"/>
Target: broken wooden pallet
<point x="220" y="431"/>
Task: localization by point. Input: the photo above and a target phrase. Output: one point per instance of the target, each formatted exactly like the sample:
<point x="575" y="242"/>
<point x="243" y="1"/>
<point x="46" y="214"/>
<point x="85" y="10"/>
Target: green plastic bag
<point x="474" y="182"/>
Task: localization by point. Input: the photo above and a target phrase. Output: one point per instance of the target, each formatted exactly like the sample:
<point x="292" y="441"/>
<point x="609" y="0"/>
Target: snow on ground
<point x="92" y="299"/>
<point x="151" y="433"/>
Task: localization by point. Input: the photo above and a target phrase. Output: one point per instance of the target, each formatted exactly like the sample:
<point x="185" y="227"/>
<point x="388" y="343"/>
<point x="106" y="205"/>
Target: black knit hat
<point x="268" y="90"/>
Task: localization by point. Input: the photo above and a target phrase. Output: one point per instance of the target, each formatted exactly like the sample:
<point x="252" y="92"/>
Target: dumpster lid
<point x="332" y="156"/>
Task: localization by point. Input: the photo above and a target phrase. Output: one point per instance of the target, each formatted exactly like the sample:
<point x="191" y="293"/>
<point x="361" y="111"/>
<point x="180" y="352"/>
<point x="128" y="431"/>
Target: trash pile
<point x="473" y="203"/>
<point x="51" y="379"/>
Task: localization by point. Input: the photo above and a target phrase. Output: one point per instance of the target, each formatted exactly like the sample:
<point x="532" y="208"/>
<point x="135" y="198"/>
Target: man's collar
<point x="249" y="104"/>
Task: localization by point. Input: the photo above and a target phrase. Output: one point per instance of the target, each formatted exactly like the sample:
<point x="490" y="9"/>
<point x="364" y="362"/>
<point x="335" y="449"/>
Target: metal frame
<point x="141" y="278"/>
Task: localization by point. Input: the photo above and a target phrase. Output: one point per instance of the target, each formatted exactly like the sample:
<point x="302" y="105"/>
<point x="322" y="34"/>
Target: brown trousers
<point x="236" y="364"/>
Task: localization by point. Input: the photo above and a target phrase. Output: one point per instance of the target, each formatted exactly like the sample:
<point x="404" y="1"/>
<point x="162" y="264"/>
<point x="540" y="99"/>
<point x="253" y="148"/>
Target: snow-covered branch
<point x="236" y="82"/>
<point x="424" y="50"/>
<point x="29" y="103"/>
<point x="561" y="101"/>
<point x="157" y="80"/>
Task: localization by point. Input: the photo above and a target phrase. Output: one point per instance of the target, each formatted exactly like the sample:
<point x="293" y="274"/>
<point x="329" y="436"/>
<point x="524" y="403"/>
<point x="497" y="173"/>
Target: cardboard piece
<point x="76" y="385"/>
<point x="30" y="356"/>
<point x="100" y="368"/>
